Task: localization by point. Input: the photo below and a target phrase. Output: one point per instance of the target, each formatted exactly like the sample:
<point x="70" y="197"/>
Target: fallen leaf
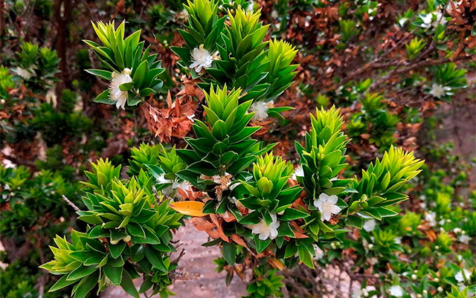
<point x="191" y="208"/>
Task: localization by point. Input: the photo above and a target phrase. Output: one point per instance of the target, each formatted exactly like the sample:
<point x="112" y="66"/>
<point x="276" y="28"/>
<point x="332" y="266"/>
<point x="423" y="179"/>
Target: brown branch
<point x="182" y="253"/>
<point x="2" y="24"/>
<point x="18" y="161"/>
<point x="71" y="203"/>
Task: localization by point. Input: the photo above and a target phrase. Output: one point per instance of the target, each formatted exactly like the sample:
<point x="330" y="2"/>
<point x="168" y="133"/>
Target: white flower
<point x="437" y="90"/>
<point x="201" y="58"/>
<point x="327" y="206"/>
<point x="183" y="15"/>
<point x="464" y="239"/>
<point x="431" y="219"/>
<point x="260" y="109"/>
<point x="398" y="240"/>
<point x="369" y="225"/>
<point x="184" y="185"/>
<point x="459" y="276"/>
<point x="161" y="179"/>
<point x="250" y="6"/>
<point x="171" y="190"/>
<point x="116" y="94"/>
<point x="427" y="20"/>
<point x="396" y="291"/>
<point x="298" y="172"/>
<point x="339" y="90"/>
<point x="263" y="230"/>
<point x="51" y="97"/>
<point x="318" y="251"/>
<point x="274" y="14"/>
<point x="438" y="17"/>
<point x="402" y="21"/>
<point x="24" y="73"/>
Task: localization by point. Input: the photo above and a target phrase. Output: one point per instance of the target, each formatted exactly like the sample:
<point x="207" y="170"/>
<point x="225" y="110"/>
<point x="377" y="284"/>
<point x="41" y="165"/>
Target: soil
<point x="200" y="277"/>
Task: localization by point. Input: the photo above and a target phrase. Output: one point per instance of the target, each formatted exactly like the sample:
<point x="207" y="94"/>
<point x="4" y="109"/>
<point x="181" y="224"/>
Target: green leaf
<point x="116" y="250"/>
<point x="128" y="285"/>
<point x="91" y="219"/>
<point x="104" y="97"/>
<point x="61" y="283"/>
<point x="305" y="257"/>
<point x="229" y="252"/>
<point x="261" y="245"/>
<point x="354" y="221"/>
<point x="114" y="274"/>
<point x="155" y="259"/>
<point x="126" y="86"/>
<point x="81" y="272"/>
<point x="86" y="285"/>
<point x="292" y="214"/>
<point x="107" y="75"/>
<point x="251" y="219"/>
<point x="140" y="74"/>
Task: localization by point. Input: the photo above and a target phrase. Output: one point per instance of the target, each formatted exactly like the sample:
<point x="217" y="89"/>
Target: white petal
<point x="264" y="235"/>
<point x="318" y="204"/>
<point x="332" y="199"/>
<point x="273" y="233"/>
<point x="323" y="197"/>
<point x="335" y="209"/>
<point x="326" y="216"/>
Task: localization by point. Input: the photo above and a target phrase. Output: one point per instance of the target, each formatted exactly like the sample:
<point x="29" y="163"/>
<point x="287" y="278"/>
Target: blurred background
<point x="394" y="84"/>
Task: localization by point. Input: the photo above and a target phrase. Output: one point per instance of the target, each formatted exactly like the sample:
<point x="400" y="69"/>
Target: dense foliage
<point x="216" y="124"/>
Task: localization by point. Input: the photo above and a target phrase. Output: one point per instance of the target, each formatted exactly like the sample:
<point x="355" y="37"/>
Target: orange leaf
<point x="276" y="263"/>
<point x="192" y="208"/>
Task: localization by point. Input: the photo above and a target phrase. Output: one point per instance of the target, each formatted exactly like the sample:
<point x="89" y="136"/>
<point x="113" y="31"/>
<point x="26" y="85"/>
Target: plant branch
<point x="71" y="203"/>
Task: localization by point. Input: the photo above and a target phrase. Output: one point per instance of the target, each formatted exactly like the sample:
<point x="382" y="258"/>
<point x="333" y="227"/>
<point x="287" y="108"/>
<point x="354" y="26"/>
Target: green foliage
<point x="29" y="199"/>
<point x="348" y="29"/>
<point x="37" y="66"/>
<point x="262" y="70"/>
<point x="55" y="127"/>
<point x="265" y="284"/>
<point x="32" y="212"/>
<point x="374" y="119"/>
<point x="5" y="82"/>
<point x="379" y="186"/>
<point x="414" y="47"/>
<point x="128" y="234"/>
<point x="323" y="155"/>
<point x="131" y="68"/>
<point x="223" y="145"/>
<point x="447" y="80"/>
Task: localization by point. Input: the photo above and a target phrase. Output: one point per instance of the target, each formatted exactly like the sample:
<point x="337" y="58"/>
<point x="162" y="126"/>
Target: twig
<point x="182" y="253"/>
<point x="71" y="203"/>
<point x="18" y="161"/>
<point x="157" y="197"/>
<point x="2" y="24"/>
